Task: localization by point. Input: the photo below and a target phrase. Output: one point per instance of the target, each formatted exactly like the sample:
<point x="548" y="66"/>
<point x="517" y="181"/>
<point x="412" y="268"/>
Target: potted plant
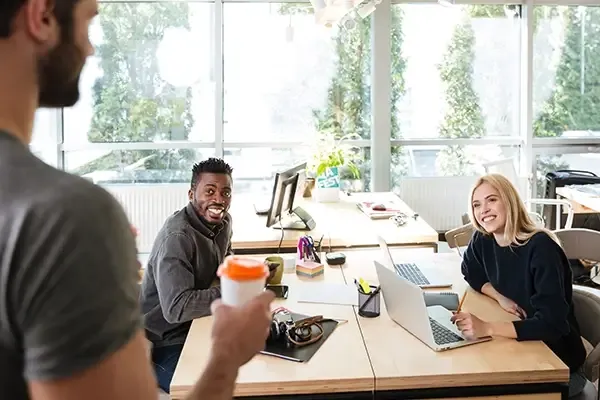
<point x="331" y="157"/>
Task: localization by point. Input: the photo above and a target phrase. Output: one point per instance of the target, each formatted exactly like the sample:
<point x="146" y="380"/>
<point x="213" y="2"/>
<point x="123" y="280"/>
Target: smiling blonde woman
<point x="524" y="269"/>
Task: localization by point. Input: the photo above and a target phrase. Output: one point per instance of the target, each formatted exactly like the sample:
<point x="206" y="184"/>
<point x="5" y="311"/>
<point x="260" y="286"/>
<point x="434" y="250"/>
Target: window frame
<point x="380" y="142"/>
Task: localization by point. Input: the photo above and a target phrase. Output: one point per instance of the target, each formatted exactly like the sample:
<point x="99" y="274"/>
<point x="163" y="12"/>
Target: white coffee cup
<point x="242" y="279"/>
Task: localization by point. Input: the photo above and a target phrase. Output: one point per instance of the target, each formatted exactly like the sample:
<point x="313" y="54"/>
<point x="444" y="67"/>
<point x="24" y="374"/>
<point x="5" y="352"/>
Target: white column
<point x="380" y="97"/>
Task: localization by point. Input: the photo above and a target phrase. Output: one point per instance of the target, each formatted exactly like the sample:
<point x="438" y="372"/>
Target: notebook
<point x="366" y="207"/>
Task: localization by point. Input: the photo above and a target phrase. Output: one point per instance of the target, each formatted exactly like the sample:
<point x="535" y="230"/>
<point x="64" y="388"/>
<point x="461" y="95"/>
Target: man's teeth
<point x="215" y="210"/>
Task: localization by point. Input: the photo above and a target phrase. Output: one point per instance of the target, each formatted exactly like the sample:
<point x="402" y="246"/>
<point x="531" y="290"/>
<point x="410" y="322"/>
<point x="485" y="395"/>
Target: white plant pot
<point x="326" y="195"/>
<point x="327" y="186"/>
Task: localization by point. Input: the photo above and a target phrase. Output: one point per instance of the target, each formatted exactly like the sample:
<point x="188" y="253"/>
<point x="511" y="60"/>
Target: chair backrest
<point x="465" y="219"/>
<point x="459" y="237"/>
<point x="587" y="312"/>
<point x="580" y="243"/>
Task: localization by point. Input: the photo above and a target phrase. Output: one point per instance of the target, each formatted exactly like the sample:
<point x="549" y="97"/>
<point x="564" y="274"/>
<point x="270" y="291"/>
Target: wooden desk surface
<point x="400" y="361"/>
<point x="588" y="202"/>
<point x="340" y="365"/>
<point x="341" y="224"/>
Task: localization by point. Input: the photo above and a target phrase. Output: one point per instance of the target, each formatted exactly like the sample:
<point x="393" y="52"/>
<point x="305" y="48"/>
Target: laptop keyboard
<point x="443" y="335"/>
<point x="411" y="273"/>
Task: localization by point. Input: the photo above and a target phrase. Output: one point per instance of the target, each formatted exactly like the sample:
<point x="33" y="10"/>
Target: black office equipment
<point x="283" y="349"/>
<point x="284" y="191"/>
<point x="565" y="177"/>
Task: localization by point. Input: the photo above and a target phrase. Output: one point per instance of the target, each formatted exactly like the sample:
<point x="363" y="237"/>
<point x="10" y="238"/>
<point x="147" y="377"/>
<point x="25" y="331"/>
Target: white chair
<point x="506" y="167"/>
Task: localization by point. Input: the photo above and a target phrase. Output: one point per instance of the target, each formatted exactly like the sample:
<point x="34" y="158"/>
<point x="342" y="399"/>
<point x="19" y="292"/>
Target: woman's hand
<point x="511" y="307"/>
<point x="471" y="326"/>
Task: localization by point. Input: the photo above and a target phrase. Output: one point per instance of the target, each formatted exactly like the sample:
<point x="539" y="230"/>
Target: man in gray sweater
<point x="181" y="281"/>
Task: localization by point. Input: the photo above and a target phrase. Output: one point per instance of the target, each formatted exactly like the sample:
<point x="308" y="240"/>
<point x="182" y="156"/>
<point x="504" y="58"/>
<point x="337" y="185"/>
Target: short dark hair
<point x="63" y="9"/>
<point x="212" y="165"/>
<point x="8" y="11"/>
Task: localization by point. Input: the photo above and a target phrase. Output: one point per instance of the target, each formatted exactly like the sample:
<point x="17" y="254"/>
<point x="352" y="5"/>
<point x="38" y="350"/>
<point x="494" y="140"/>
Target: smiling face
<point x="488" y="209"/>
<point x="211" y="197"/>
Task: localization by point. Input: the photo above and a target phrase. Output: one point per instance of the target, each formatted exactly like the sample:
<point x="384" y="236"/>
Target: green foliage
<point x="331" y="151"/>
<point x="463" y="118"/>
<point x="131" y="101"/>
<point x="574" y="103"/>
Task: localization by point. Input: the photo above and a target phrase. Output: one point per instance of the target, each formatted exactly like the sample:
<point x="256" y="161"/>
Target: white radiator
<point x="148" y="206"/>
<point x="438" y="200"/>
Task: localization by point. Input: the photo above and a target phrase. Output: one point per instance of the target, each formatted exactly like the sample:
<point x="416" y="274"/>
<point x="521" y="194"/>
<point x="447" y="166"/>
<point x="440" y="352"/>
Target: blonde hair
<point x="519" y="226"/>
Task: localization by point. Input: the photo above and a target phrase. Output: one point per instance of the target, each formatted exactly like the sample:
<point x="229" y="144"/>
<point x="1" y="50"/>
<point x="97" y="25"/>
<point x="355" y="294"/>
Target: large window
<point x="566" y="71"/>
<point x="150" y="81"/>
<point x="260" y="83"/>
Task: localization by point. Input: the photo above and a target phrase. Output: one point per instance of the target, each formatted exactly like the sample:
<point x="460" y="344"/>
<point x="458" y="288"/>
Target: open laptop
<point x="406" y="306"/>
<point x="417" y="274"/>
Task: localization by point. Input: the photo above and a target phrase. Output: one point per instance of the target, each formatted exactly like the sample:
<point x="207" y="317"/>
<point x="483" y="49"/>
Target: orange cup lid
<point x="239" y="268"/>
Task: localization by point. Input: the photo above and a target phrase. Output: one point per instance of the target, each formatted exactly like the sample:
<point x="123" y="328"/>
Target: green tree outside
<point x="132" y="103"/>
<point x="463" y="118"/>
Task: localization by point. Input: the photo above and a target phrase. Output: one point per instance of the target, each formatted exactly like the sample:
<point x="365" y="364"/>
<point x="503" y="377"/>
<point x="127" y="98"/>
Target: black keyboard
<point x="411" y="273"/>
<point x="443" y="335"/>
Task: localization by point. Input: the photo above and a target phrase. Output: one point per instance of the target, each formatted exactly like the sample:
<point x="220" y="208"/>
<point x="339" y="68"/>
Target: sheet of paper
<point x="326" y="293"/>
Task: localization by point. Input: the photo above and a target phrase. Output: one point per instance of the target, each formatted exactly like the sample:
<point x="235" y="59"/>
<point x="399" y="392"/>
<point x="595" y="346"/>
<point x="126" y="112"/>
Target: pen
<point x="462" y="300"/>
<point x="373" y="294"/>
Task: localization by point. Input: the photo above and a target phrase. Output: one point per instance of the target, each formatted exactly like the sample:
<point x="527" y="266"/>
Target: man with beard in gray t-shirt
<point x="70" y="323"/>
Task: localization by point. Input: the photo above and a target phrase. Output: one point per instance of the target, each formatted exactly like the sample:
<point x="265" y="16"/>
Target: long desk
<point x="582" y="202"/>
<point x="341" y="224"/>
<point x="376" y="358"/>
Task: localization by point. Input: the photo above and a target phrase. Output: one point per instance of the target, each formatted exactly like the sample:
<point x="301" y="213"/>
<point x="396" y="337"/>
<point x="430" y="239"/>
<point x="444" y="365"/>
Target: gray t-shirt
<point x="68" y="272"/>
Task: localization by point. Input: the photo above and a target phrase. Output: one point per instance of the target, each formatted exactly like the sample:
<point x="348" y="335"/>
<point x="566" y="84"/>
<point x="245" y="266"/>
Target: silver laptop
<point x="406" y="306"/>
<point x="415" y="273"/>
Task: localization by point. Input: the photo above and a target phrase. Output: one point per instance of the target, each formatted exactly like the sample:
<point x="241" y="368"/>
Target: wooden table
<point x="387" y="362"/>
<point x="341" y="365"/>
<point x="405" y="366"/>
<point x="341" y="224"/>
<point x="582" y="202"/>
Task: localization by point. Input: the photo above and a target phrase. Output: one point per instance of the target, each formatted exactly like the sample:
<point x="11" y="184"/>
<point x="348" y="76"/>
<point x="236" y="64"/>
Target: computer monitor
<point x="282" y="214"/>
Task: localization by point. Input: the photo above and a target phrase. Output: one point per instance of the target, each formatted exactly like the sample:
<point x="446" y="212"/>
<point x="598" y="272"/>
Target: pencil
<point x="462" y="300"/>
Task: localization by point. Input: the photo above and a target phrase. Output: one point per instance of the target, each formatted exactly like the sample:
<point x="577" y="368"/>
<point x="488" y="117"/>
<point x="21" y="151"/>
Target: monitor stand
<point x="305" y="223"/>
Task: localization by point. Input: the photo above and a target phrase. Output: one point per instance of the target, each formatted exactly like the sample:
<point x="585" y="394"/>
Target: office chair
<point x="459" y="237"/>
<point x="587" y="313"/>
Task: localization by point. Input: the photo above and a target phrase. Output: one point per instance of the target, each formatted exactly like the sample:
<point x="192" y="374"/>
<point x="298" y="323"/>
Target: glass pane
<point x="254" y="168"/>
<point x="429" y="161"/>
<point x="286" y="77"/>
<point x="44" y="139"/>
<point x="548" y="163"/>
<point x="150" y="79"/>
<point x="135" y="166"/>
<point x="44" y="128"/>
<point x="566" y="72"/>
<point x="462" y="81"/>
